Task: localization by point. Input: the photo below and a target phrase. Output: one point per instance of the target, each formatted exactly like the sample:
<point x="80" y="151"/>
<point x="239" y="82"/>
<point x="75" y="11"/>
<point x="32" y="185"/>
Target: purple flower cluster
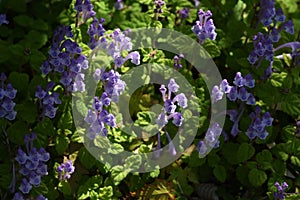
<point x="84" y="10"/>
<point x="158" y="150"/>
<point x="280" y="194"/>
<point x="235" y="116"/>
<point x="169" y="112"/>
<point x="95" y="31"/>
<point x="113" y="85"/>
<point x="7" y="95"/>
<point x="32" y="167"/>
<point x="236" y="92"/>
<point x="169" y="105"/>
<point x="239" y="92"/>
<point x="99" y="117"/>
<point x="119" y="5"/>
<point x="47" y="100"/>
<point x="258" y="124"/>
<point x="184" y="13"/>
<point x="66" y="59"/>
<point x="114" y="45"/>
<point x="3" y="19"/>
<point x="263" y="43"/>
<point x="65" y="170"/>
<point x="298" y="128"/>
<point x="158" y="6"/>
<point x="177" y="60"/>
<point x="204" y="27"/>
<point x="210" y="140"/>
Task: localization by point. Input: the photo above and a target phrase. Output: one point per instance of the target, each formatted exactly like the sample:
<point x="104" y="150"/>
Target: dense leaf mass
<point x="52" y="124"/>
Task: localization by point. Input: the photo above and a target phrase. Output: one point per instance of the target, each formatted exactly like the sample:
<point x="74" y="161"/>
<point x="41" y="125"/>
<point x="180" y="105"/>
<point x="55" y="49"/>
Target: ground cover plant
<point x="150" y="99"/>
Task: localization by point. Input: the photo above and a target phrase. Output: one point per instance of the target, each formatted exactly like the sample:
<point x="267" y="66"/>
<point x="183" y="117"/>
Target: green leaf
<point x="4" y="54"/>
<point x="17" y="131"/>
<point x="118" y="173"/>
<point x="144" y="148"/>
<point x="279" y="166"/>
<point x="45" y="127"/>
<point x="229" y="152"/>
<point x="212" y="48"/>
<point x="5" y="175"/>
<point x="156" y="172"/>
<point x="295" y="161"/>
<point x="245" y="152"/>
<point x="86" y="158"/>
<point x="23" y="20"/>
<point x="40" y="25"/>
<point x="41" y="189"/>
<point x="291" y="104"/>
<point x="36" y="59"/>
<point x="66" y="120"/>
<point x="156" y="24"/>
<point x="65" y="187"/>
<point x="220" y="173"/>
<point x="257" y="177"/>
<point x="17" y="5"/>
<point x="81" y="108"/>
<point x="277" y="79"/>
<point x="242" y="174"/>
<point x="35" y="39"/>
<point x="147" y="2"/>
<point x="16" y="50"/>
<point x="19" y="81"/>
<point x="115" y="148"/>
<point x="213" y="160"/>
<point x="264" y="158"/>
<point x="105" y="192"/>
<point x="27" y="111"/>
<point x="133" y="162"/>
<point x="61" y="144"/>
<point x="102" y="142"/>
<point x="91" y="184"/>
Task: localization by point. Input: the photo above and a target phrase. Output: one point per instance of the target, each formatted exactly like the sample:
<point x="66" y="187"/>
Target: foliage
<point x="240" y="167"/>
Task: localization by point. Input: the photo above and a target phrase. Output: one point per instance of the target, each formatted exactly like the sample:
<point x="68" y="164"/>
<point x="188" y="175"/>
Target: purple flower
<point x="181" y="100"/>
<point x="232" y="95"/>
<point x="21" y="157"/>
<point x="162" y="120"/>
<point x="279" y="194"/>
<point x="25" y="186"/>
<point x="238" y="79"/>
<point x="65" y="170"/>
<point x="172" y="149"/>
<point x="7" y="96"/>
<point x="248" y="81"/>
<point x="217" y="94"/>
<point x="119" y="5"/>
<point x="173" y="86"/>
<point x="158" y="6"/>
<point x="184" y="13"/>
<point x="18" y="196"/>
<point x="274" y="35"/>
<point x="224" y="86"/>
<point x="279" y="15"/>
<point x="210" y="139"/>
<point x="243" y="94"/>
<point x="204" y="27"/>
<point x="177" y="119"/>
<point x="177" y="61"/>
<point x="3" y="19"/>
<point x="169" y="106"/>
<point x="258" y="124"/>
